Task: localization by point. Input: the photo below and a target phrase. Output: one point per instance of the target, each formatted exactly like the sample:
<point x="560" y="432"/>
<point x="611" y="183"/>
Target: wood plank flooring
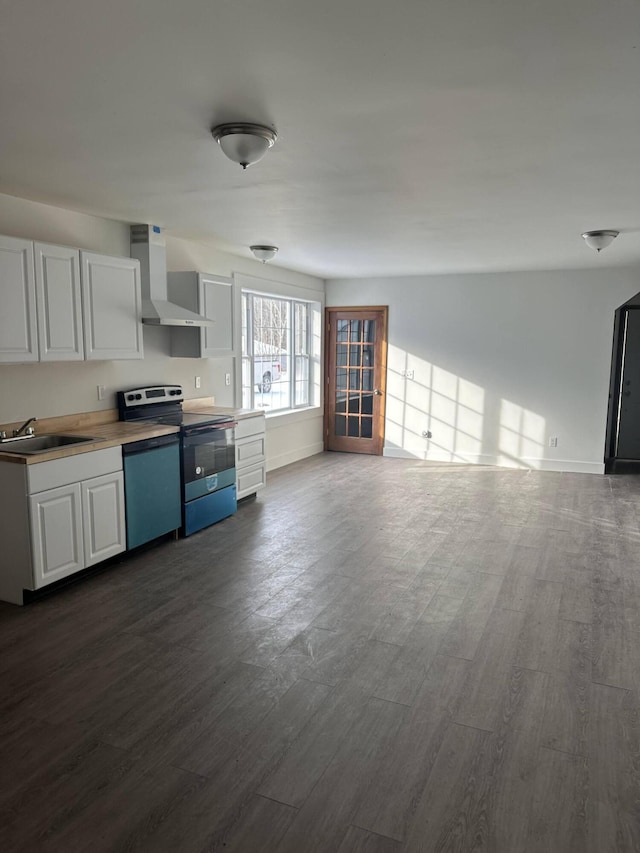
<point x="376" y="656"/>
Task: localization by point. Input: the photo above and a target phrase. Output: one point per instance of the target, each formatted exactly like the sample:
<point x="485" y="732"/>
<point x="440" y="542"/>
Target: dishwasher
<point x="153" y="504"/>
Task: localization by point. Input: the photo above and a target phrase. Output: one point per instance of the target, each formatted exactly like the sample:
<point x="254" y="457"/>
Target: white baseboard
<point x="537" y="464"/>
<point x="282" y="459"/>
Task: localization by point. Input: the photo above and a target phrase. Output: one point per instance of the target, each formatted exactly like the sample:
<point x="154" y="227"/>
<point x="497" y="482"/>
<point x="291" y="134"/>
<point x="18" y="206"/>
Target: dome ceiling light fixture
<point x="264" y="253"/>
<point x="599" y="240"/>
<point x="244" y="143"/>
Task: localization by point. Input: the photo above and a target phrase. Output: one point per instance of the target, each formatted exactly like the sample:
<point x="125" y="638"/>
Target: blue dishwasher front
<point x="152" y="488"/>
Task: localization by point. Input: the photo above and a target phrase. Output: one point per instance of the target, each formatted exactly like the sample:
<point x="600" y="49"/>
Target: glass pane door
<point x="356" y="353"/>
<point x="355" y="360"/>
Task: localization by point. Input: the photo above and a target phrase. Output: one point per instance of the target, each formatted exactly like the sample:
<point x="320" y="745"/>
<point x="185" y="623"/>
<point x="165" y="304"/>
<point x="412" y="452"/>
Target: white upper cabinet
<point x="216" y="299"/>
<point x="59" y="303"/>
<point x="111" y="303"/>
<point x="212" y="296"/>
<point x="18" y="331"/>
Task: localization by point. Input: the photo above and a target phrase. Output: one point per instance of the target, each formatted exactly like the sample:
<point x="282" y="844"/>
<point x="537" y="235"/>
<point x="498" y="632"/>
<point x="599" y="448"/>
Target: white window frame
<point x="247" y="350"/>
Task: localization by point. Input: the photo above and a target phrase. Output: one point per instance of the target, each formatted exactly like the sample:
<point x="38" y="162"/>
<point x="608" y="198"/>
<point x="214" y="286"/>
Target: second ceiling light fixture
<point x="243" y="142"/>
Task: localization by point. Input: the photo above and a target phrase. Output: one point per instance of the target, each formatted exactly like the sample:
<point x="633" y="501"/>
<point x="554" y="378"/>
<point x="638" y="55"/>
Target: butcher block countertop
<point x="111" y="434"/>
<point x="206" y="406"/>
<point x="110" y="431"/>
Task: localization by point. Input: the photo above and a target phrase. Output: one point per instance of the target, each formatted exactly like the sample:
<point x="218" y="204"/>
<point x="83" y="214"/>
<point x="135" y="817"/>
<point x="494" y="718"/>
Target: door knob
<point x="377" y="392"/>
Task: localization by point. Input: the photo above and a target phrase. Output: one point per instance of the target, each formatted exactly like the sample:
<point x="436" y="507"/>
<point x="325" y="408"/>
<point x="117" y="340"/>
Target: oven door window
<point x="209" y="459"/>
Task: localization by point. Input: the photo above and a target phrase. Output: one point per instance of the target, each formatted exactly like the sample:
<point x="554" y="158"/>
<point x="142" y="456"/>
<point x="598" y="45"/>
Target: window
<point x="280" y="352"/>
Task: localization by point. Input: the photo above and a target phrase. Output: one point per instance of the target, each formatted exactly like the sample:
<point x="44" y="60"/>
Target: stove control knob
<point x="138" y="396"/>
<point x="198" y="470"/>
<point x="131" y="397"/>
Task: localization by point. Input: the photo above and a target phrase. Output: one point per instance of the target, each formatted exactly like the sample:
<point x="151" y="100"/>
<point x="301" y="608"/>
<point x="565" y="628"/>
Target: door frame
<point x="384" y="309"/>
<point x="614" y="464"/>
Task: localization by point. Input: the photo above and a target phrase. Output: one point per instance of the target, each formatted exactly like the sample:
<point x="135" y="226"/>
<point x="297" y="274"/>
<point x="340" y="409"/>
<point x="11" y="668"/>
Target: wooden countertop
<point x="111" y="434"/>
<point x="105" y="426"/>
<point x="206" y="408"/>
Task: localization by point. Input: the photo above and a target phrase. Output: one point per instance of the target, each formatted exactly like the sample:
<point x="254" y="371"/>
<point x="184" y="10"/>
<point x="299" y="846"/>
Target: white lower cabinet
<point x="56" y="534"/>
<point x="103" y="522"/>
<point x="60" y="517"/>
<point x="251" y="463"/>
<point x="77" y="526"/>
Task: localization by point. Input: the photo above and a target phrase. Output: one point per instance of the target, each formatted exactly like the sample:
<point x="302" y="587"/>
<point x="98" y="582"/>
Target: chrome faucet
<point x="25" y="428"/>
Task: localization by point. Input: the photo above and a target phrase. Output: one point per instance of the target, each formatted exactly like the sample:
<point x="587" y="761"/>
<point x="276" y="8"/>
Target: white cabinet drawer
<point x="250" y="480"/>
<point x="72" y="469"/>
<point x="250" y="426"/>
<point x="249" y="451"/>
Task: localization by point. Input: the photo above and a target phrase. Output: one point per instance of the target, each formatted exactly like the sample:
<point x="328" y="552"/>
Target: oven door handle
<point x="208" y="430"/>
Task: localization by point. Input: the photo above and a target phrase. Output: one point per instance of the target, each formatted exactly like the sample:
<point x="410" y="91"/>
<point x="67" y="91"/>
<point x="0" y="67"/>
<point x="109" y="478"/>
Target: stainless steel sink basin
<point x="42" y="443"/>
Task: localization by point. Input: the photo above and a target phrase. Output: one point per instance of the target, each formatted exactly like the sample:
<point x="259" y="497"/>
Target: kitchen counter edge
<point x="110" y="435"/>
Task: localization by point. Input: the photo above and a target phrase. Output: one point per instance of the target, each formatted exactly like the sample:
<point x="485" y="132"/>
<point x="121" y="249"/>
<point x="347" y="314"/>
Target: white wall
<point x="501" y="363"/>
<point x="48" y="390"/>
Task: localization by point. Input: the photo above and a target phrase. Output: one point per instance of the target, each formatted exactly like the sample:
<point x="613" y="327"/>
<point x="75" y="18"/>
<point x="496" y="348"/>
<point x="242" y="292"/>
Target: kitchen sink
<point x="42" y="443"/>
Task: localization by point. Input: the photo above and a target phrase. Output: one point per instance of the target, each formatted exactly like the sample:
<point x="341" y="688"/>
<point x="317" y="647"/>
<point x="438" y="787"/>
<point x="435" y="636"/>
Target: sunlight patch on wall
<point x="521" y="436"/>
<point x="424" y="397"/>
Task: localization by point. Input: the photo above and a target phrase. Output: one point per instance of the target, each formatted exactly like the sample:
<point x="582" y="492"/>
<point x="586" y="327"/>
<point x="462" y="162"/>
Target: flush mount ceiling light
<point x="244" y="143"/>
<point x="599" y="240"/>
<point x="264" y="253"/>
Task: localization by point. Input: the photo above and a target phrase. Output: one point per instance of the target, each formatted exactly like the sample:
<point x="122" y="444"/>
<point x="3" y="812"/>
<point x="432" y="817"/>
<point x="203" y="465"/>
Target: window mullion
<point x="252" y="378"/>
<point x="295" y="355"/>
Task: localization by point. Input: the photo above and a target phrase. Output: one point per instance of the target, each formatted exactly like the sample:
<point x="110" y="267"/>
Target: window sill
<point x="292" y="416"/>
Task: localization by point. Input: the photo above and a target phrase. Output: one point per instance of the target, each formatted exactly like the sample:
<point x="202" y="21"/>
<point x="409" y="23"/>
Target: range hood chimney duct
<point x="147" y="245"/>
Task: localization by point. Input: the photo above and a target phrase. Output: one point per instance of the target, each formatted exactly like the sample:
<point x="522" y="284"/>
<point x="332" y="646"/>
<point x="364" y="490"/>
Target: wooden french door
<point x="356" y="370"/>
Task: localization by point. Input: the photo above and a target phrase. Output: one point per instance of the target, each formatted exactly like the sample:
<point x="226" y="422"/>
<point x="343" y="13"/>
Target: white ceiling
<point x="414" y="136"/>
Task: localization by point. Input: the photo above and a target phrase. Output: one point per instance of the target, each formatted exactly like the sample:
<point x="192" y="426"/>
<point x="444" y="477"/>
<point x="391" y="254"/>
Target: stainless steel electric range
<point x="207" y="452"/>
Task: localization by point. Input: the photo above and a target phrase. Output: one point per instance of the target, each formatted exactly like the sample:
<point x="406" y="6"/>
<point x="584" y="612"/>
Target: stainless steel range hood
<point x="147" y="245"/>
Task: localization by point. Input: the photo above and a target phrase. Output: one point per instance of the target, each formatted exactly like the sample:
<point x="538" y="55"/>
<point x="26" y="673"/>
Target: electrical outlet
<point x="101" y="390"/>
<point x="227" y="379"/>
<point x="197" y="381"/>
<point x="553" y="441"/>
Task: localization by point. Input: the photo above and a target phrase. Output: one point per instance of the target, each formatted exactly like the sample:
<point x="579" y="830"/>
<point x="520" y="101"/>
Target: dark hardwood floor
<point x="377" y="655"/>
